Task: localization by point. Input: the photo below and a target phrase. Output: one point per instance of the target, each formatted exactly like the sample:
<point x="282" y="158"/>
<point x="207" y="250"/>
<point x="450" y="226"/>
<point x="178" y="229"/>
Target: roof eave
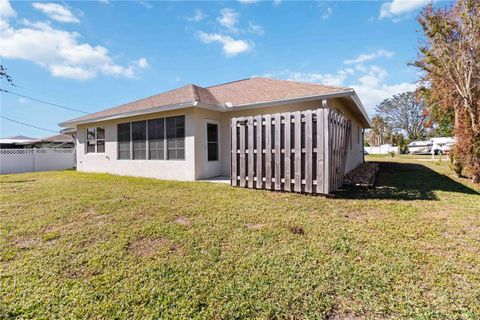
<point x="270" y="103"/>
<point x="339" y="94"/>
<point x="73" y="123"/>
<point x="360" y="106"/>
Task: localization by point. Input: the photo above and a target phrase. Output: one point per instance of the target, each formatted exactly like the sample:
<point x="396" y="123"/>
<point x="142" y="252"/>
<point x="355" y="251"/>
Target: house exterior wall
<point x="194" y="167"/>
<point x="161" y="169"/>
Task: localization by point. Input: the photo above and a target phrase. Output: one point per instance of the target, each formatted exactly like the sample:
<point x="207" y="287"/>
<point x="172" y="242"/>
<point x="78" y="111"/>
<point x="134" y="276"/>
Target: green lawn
<point x="77" y="245"/>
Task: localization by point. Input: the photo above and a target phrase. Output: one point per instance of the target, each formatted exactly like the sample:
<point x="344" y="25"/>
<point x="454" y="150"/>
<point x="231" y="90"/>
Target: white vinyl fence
<point x="32" y="160"/>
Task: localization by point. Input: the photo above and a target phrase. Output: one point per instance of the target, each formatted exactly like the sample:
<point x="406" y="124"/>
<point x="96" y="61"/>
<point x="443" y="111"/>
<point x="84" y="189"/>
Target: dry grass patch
<point x="148" y="247"/>
<point x="255" y="226"/>
<point x="184" y="221"/>
<point x="27" y="243"/>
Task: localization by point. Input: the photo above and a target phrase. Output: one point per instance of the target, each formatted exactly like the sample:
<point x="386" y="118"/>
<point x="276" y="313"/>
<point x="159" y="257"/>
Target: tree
<point x="5" y="75"/>
<point x="405" y="113"/>
<point x="380" y="132"/>
<point x="450" y="60"/>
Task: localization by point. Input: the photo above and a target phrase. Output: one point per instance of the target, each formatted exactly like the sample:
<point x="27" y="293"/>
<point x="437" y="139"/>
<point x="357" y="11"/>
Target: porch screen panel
<point x="123" y="138"/>
<point x="156" y="139"/>
<point x="175" y="138"/>
<point x="139" y="140"/>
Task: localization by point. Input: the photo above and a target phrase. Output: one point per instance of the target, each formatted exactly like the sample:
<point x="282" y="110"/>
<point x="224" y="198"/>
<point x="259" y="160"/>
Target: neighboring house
<point x="56" y="141"/>
<point x="14" y="142"/>
<point x="22" y="142"/>
<point x="184" y="134"/>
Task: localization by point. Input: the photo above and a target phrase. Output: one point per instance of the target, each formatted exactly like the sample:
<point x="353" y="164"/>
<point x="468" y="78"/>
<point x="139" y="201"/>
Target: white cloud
<point x="398" y="8"/>
<point x="197" y="16"/>
<point x="56" y="12"/>
<point x="230" y="46"/>
<point x="104" y="1"/>
<point x="142" y="63"/>
<point x="369" y="83"/>
<point x="336" y="79"/>
<point x="370" y="56"/>
<point x="6" y="11"/>
<point x="277" y="2"/>
<point x="229" y="19"/>
<point x="256" y="29"/>
<point x="327" y="14"/>
<point x="61" y="52"/>
<point x="145" y="3"/>
<point x="247" y="1"/>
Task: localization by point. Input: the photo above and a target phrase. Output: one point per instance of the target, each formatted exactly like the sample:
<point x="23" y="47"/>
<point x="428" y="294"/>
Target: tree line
<point x="447" y="101"/>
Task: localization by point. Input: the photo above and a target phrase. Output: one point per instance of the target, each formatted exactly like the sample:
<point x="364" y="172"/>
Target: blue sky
<point x="97" y="54"/>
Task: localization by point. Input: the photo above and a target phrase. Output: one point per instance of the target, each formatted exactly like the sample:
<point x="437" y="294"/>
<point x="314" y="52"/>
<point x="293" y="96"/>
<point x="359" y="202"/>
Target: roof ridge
<point x="306" y="82"/>
<point x="221" y="84"/>
<point x="195" y="90"/>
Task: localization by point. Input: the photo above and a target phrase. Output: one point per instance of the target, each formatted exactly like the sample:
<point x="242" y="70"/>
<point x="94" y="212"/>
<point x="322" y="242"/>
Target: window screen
<point x="212" y="142"/>
<point x="156" y="139"/>
<point x="139" y="139"/>
<point x="123" y="138"/>
<point x="176" y="138"/>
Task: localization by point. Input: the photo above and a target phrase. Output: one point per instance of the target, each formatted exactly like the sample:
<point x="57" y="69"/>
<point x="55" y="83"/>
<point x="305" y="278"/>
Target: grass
<point x="78" y="245"/>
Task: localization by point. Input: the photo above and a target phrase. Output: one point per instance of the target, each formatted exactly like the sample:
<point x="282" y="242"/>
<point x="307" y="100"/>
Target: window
<point x="95" y="140"/>
<point x="139" y="140"/>
<point x="175" y="138"/>
<point x="212" y="142"/>
<point x="123" y="132"/>
<point x="156" y="139"/>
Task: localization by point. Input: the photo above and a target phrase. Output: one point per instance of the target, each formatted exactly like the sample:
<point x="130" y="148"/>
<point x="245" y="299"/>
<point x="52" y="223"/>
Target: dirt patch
<point x="184" y="221"/>
<point x="27" y="243"/>
<point x="255" y="226"/>
<point x="146" y="247"/>
<point x="364" y="175"/>
<point x="297" y="230"/>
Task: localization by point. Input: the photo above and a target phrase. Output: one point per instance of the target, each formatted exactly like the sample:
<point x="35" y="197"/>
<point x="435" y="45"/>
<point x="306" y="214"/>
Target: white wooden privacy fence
<point x="32" y="160"/>
<point x="297" y="151"/>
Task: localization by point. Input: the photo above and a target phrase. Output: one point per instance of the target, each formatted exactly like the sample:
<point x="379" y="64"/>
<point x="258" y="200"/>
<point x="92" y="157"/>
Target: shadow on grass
<point x="17" y="181"/>
<point x="405" y="181"/>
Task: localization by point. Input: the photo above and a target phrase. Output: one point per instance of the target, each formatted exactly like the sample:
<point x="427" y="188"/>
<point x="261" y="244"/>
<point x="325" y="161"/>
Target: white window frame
<point x="218" y="139"/>
<point x="95" y="140"/>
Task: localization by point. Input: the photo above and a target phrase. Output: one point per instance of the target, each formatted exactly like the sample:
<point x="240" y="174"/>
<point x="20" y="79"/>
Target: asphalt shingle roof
<point x="246" y="91"/>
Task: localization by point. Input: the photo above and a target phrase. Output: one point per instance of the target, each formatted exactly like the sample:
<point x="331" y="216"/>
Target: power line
<point x="28" y="125"/>
<point x="43" y="101"/>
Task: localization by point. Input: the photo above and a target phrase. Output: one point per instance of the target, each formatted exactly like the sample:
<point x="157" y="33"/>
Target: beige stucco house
<point x="184" y="134"/>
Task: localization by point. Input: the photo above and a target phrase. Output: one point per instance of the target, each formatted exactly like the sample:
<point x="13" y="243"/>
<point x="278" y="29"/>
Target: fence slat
<point x="251" y="156"/>
<point x="233" y="167"/>
<point x="259" y="183"/>
<point x="242" y="153"/>
<point x="328" y="143"/>
<point x="320" y="151"/>
<point x="278" y="141"/>
<point x="308" y="151"/>
<point x="268" y="152"/>
<point x="298" y="151"/>
<point x="288" y="150"/>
